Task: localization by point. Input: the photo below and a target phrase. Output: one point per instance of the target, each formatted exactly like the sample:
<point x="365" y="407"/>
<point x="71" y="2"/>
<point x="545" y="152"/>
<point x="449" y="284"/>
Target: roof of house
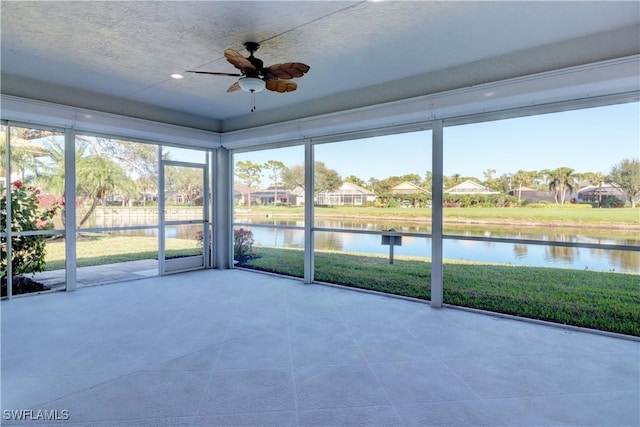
<point x="298" y="191"/>
<point x="470" y="187"/>
<point x="280" y="190"/>
<point x="603" y="190"/>
<point x="349" y="188"/>
<point x="241" y="188"/>
<point x="407" y="187"/>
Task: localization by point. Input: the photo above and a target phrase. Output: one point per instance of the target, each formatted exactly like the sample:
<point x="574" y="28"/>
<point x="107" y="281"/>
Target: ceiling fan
<point x="255" y="77"/>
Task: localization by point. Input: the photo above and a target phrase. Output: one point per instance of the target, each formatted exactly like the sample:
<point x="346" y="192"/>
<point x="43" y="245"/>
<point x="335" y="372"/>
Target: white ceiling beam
<point x="28" y="111"/>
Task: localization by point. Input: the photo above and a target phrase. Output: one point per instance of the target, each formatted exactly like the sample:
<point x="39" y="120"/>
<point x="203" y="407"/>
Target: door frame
<point x="187" y="263"/>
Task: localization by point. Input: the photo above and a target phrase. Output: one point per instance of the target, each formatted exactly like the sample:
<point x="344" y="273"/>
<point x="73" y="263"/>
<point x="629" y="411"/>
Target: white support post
<point x="206" y="238"/>
<point x="309" y="247"/>
<point x="212" y="213"/>
<point x="223" y="210"/>
<point x="70" y="209"/>
<point x="213" y="219"/>
<point x="436" y="214"/>
<point x="161" y="204"/>
<point x="7" y="162"/>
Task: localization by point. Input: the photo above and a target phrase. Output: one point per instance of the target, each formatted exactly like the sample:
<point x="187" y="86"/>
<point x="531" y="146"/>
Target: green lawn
<point x="96" y="249"/>
<point x="597" y="300"/>
<point x="582" y="216"/>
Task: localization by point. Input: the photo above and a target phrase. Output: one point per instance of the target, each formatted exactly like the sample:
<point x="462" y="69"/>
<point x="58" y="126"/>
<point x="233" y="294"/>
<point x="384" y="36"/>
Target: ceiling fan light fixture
<point x="251" y="84"/>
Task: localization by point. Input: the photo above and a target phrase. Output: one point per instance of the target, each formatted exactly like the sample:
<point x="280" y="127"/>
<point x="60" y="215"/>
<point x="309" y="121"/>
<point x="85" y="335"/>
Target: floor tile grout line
<point x="547" y="393"/>
<point x="291" y="367"/>
<point x="479" y="398"/>
<point x="83" y="390"/>
<point x="384" y="390"/>
<point x="220" y="343"/>
<point x="455" y="374"/>
<point x="212" y="370"/>
<point x="422" y="341"/>
<point x="192" y="352"/>
<point x="119" y="377"/>
<point x="137" y="365"/>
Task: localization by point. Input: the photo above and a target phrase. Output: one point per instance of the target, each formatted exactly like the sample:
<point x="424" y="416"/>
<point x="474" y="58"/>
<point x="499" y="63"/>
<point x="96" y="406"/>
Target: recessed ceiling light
<point x="177" y="76"/>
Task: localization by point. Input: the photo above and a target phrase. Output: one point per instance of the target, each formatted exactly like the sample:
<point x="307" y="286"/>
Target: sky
<point x="588" y="140"/>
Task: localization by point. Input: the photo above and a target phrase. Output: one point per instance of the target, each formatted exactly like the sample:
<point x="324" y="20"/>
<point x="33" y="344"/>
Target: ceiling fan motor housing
<point x="251" y="46"/>
<point x="256" y="63"/>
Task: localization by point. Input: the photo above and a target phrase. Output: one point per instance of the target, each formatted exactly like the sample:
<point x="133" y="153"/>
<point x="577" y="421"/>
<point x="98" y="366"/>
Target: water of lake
<point x="492" y="252"/>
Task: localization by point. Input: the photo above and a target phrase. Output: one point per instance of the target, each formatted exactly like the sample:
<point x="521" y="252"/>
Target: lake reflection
<point x="491" y="252"/>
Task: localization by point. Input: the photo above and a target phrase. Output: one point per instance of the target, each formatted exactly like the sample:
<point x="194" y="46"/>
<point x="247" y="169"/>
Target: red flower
<point x="37" y="191"/>
<point x="17" y="184"/>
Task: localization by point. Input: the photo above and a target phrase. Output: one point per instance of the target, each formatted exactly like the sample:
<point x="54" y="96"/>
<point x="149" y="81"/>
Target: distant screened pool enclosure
<point x="120" y="189"/>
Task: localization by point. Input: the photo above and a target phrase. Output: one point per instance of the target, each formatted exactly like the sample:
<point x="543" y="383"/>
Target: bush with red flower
<point x="27" y="252"/>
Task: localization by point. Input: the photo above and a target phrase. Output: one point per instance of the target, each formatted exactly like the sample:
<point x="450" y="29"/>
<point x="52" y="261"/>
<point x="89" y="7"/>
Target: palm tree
<point x="25" y="154"/>
<point x="96" y="176"/>
<point x="598" y="179"/>
<point x="561" y="180"/>
<point x="522" y="178"/>
<point x="50" y="171"/>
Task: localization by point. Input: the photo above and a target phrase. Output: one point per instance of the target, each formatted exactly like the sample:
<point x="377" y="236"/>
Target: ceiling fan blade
<point x="238" y="61"/>
<point x="234" y="87"/>
<point x="216" y="74"/>
<point x="281" y="86"/>
<point x="288" y="70"/>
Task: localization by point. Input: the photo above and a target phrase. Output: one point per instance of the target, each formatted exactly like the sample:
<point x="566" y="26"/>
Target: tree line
<point x="108" y="167"/>
<point x="561" y="181"/>
<point x="104" y="168"/>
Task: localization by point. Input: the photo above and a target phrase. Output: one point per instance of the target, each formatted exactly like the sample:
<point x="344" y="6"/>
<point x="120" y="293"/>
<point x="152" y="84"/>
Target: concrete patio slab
<point x="241" y="348"/>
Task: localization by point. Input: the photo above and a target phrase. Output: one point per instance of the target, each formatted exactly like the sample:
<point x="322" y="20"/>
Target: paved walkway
<point x="101" y="274"/>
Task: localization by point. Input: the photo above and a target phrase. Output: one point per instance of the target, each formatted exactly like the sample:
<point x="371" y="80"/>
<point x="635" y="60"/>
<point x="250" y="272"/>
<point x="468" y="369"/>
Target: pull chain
<point x="253" y="100"/>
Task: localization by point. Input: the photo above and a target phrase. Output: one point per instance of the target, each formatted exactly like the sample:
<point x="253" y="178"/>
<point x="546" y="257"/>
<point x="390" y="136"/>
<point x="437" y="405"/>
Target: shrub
<point x="479" y="200"/>
<point x="27" y="252"/>
<point x="200" y="240"/>
<point x="242" y="245"/>
<point x="612" y="202"/>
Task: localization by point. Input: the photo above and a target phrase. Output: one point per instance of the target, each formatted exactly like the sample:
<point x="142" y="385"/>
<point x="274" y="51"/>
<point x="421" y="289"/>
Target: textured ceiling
<point x="118" y="56"/>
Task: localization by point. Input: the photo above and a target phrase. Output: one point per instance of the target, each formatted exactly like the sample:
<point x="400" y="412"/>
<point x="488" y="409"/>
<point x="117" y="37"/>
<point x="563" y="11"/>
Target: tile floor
<point x="236" y="348"/>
